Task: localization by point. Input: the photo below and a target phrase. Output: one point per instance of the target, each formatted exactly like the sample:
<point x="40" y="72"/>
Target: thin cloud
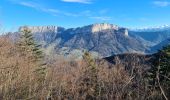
<point x="78" y="1"/>
<point x="161" y="3"/>
<point x="30" y="4"/>
<point x="54" y="12"/>
<point x="57" y="12"/>
<point x="39" y="7"/>
<point x="71" y="14"/>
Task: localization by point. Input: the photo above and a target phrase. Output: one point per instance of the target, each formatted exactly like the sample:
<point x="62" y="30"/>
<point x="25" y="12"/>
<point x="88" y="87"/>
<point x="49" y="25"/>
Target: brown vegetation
<point x="70" y="80"/>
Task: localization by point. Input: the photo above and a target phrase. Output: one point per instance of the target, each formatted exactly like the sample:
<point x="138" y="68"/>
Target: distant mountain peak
<point x="95" y="28"/>
<point x="156" y="28"/>
<point x="99" y="27"/>
<point x="35" y="29"/>
<point x="101" y="39"/>
<point x="103" y="26"/>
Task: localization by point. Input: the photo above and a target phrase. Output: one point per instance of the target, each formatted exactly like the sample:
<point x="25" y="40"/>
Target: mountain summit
<point x="101" y="39"/>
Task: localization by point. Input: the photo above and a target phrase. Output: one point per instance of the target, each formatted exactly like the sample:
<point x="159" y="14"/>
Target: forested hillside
<point x="26" y="73"/>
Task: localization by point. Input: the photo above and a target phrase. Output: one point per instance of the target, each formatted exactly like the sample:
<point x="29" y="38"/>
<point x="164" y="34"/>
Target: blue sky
<point x="74" y="13"/>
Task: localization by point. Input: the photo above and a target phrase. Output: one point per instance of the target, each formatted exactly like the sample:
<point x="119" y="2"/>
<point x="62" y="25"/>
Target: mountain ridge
<point x="102" y="39"/>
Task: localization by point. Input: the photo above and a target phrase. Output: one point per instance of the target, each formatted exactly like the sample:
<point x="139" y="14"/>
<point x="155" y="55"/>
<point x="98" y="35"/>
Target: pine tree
<point x="89" y="83"/>
<point x="163" y="73"/>
<point x="27" y="44"/>
<point x="28" y="48"/>
<point x="159" y="74"/>
<point x="164" y="64"/>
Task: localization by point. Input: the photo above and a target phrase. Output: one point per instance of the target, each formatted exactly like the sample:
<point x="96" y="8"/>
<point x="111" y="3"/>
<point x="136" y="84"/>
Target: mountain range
<point x="102" y="40"/>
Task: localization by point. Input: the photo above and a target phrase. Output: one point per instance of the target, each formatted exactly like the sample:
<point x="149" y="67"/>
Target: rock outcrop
<point x="101" y="39"/>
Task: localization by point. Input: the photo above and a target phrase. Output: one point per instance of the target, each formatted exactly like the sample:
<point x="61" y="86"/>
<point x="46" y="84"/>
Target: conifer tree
<point x="164" y="63"/>
<point x="90" y="83"/>
<point x="28" y="48"/>
<point x="163" y="72"/>
<point x="159" y="74"/>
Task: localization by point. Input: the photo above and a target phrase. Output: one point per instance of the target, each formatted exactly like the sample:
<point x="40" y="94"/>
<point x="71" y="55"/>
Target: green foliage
<point x="164" y="71"/>
<point x="28" y="45"/>
<point x="28" y="48"/>
<point x="159" y="74"/>
<point x="90" y="61"/>
<point x="90" y="84"/>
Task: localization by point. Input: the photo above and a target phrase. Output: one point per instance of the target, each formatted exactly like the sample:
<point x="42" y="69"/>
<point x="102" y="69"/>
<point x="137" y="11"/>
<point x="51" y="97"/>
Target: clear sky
<point x="73" y="13"/>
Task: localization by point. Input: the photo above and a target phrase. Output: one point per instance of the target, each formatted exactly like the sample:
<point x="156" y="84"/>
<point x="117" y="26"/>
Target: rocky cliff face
<point x="44" y="34"/>
<point x="96" y="28"/>
<point x="101" y="39"/>
<point x="105" y="42"/>
<point x="43" y="29"/>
